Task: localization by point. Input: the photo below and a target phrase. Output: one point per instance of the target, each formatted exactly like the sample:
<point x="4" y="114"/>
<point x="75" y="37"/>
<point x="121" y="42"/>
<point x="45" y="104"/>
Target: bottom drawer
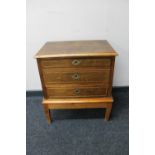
<point x="76" y="91"/>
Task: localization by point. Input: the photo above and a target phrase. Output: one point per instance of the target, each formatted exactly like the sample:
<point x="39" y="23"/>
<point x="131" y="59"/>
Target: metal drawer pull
<point x="77" y="91"/>
<point x="76" y="62"/>
<point x="76" y="76"/>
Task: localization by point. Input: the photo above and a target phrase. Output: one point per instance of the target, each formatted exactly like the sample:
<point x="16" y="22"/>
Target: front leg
<point x="47" y="114"/>
<point x="108" y="111"/>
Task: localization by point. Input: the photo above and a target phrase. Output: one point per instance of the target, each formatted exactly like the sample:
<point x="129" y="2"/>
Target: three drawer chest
<point x="76" y="74"/>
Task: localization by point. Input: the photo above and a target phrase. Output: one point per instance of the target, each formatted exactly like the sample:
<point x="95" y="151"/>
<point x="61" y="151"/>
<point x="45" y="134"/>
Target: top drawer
<point x="76" y="62"/>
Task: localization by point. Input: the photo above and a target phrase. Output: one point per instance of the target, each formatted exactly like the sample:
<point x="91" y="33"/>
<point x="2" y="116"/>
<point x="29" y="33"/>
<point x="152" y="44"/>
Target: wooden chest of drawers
<point x="76" y="74"/>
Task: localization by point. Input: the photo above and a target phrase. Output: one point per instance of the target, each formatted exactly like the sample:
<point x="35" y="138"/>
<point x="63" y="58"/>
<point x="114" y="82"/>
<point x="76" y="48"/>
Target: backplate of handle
<point x="76" y="76"/>
<point x="76" y="62"/>
<point x="77" y="91"/>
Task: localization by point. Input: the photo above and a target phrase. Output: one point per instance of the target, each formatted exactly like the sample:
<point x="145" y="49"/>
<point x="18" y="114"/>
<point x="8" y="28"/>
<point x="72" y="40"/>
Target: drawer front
<point x="76" y="62"/>
<point x="76" y="91"/>
<point x="75" y="76"/>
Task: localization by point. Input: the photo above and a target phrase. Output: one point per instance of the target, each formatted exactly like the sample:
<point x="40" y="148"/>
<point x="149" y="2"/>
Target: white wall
<point x="58" y="20"/>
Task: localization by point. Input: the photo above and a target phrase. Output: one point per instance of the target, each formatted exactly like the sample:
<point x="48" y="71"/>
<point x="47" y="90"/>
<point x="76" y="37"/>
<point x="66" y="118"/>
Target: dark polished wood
<point x="76" y="62"/>
<point x="76" y="74"/>
<point x="76" y="91"/>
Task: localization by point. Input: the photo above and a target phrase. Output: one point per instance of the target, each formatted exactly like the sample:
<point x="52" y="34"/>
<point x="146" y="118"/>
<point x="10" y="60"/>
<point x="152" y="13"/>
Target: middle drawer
<point x="70" y="75"/>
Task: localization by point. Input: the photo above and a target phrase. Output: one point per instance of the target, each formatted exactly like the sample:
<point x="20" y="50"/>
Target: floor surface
<point x="78" y="132"/>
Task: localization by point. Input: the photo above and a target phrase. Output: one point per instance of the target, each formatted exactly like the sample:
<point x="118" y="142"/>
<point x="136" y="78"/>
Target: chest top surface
<point x="76" y="48"/>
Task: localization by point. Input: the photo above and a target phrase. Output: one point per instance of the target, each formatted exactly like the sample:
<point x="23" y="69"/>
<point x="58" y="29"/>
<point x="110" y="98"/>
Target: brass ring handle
<point x="76" y="76"/>
<point x="76" y="62"/>
<point x="77" y="91"/>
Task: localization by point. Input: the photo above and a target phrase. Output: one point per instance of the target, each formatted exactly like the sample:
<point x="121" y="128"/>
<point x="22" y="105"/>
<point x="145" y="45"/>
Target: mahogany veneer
<point x="76" y="74"/>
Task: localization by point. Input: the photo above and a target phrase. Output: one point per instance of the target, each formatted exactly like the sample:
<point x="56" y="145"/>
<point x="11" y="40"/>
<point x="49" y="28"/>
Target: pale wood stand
<point x="105" y="102"/>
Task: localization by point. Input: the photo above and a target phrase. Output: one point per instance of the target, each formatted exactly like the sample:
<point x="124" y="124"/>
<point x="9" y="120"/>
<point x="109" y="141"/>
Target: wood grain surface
<point x="76" y="74"/>
<point x="76" y="62"/>
<point x="76" y="48"/>
<point x="70" y="75"/>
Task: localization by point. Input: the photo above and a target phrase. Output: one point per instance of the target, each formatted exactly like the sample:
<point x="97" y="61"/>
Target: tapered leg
<point x="108" y="111"/>
<point x="47" y="114"/>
